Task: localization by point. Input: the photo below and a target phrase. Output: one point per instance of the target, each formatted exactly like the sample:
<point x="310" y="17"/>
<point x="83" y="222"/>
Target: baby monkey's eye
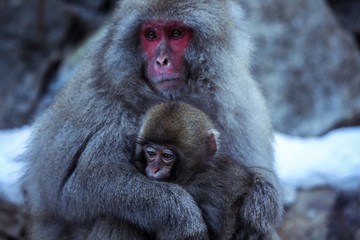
<point x="151" y="154"/>
<point x="168" y="155"/>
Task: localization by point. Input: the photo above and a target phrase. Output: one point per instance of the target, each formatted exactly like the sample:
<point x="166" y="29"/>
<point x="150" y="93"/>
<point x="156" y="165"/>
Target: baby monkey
<point x="178" y="143"/>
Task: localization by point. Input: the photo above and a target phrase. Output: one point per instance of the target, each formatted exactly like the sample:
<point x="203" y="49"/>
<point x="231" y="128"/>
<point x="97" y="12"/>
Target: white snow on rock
<point x="333" y="159"/>
<point x="12" y="144"/>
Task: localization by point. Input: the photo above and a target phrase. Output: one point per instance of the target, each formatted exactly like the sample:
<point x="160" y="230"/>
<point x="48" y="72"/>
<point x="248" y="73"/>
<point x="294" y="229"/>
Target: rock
<point x="12" y="221"/>
<point x="345" y="218"/>
<point x="348" y="13"/>
<point x="307" y="217"/>
<point x="35" y="35"/>
<point x="307" y="65"/>
<point x="25" y="30"/>
<point x="322" y="213"/>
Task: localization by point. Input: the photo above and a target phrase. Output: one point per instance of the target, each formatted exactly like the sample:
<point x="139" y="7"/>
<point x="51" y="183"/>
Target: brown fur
<point x="217" y="183"/>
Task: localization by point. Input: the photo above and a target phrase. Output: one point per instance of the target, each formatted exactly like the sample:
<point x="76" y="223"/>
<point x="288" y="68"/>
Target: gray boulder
<point x="35" y="35"/>
<point x="307" y="65"/>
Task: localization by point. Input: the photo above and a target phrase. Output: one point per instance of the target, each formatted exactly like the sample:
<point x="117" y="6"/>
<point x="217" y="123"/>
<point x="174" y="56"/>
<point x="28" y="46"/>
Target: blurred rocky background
<point x="307" y="62"/>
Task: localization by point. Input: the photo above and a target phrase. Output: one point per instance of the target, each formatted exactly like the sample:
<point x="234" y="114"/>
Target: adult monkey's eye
<point x="151" y="35"/>
<point x="176" y="33"/>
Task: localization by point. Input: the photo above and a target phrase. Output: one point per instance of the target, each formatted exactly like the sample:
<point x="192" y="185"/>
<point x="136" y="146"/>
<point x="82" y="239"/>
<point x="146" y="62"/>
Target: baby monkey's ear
<point x="212" y="139"/>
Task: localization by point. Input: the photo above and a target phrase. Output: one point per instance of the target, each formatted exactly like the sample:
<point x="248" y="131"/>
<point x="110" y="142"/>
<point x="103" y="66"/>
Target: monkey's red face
<point x="164" y="44"/>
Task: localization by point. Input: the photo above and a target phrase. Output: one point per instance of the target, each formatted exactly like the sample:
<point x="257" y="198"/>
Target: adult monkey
<point x="79" y="177"/>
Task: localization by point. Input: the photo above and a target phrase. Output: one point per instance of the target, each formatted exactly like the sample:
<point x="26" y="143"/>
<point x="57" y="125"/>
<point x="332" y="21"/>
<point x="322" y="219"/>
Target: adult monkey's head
<point x="173" y="48"/>
<point x="164" y="44"/>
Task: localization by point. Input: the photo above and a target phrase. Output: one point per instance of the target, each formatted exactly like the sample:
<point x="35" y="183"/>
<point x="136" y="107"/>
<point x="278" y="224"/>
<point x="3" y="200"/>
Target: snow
<point x="12" y="144"/>
<point x="333" y="159"/>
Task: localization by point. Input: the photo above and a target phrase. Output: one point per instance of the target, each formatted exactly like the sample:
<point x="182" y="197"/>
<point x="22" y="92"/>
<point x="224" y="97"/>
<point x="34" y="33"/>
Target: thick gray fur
<point x="79" y="180"/>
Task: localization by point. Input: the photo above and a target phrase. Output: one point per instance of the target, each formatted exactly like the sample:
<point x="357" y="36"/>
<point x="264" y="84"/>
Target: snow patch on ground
<point x="333" y="159"/>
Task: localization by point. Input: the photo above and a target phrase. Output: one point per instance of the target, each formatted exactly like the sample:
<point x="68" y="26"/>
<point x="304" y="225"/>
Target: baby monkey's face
<point x="159" y="161"/>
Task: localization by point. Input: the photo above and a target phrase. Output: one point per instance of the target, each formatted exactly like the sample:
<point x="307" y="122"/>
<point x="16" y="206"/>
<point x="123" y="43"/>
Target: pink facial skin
<point x="164" y="44"/>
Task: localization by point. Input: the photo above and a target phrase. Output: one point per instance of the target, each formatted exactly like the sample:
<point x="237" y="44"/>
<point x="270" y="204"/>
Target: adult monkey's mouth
<point x="169" y="84"/>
